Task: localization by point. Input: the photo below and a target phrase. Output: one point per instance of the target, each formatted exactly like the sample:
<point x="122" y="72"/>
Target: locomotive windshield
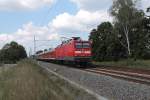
<point x="86" y="45"/>
<point x="82" y="45"/>
<point x="78" y="45"/>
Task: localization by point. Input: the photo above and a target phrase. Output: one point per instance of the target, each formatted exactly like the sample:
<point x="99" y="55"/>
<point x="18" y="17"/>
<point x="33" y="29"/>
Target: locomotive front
<point x="82" y="51"/>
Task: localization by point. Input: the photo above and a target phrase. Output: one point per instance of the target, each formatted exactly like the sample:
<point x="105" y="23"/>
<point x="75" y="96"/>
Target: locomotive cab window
<point x="82" y="45"/>
<point x="86" y="45"/>
<point x="78" y="45"/>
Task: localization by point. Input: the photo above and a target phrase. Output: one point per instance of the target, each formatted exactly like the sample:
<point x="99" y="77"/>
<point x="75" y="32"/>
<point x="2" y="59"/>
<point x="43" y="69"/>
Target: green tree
<point x="13" y="52"/>
<point x="105" y="45"/>
<point x="148" y="9"/>
<point x="128" y="24"/>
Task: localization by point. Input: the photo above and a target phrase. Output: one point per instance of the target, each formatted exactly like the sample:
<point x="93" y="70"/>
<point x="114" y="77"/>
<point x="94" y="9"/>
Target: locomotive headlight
<point x="77" y="52"/>
<point x="85" y="52"/>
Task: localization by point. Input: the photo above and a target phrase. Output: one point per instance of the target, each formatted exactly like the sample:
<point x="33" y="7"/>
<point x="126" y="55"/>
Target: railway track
<point x="138" y="77"/>
<point x="130" y="76"/>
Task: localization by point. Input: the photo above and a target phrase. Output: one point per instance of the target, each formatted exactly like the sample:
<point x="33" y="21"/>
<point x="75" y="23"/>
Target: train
<point x="74" y="50"/>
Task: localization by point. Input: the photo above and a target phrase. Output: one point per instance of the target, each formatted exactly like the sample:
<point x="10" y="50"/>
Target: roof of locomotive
<point x="73" y="39"/>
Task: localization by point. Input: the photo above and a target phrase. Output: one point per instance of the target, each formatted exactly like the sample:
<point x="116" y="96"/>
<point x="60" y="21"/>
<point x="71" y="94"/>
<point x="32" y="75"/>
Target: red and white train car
<point x="72" y="50"/>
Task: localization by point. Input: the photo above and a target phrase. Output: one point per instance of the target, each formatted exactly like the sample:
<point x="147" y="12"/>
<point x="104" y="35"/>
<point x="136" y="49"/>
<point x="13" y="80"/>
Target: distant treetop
<point x="12" y="52"/>
<point x="148" y="9"/>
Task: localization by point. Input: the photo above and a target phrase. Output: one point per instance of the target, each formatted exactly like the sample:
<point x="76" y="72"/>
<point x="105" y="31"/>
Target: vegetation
<point x="27" y="81"/>
<point x="127" y="37"/>
<point x="11" y="53"/>
<point x="139" y="64"/>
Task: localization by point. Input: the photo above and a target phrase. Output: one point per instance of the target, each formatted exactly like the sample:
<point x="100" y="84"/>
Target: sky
<point x="21" y="20"/>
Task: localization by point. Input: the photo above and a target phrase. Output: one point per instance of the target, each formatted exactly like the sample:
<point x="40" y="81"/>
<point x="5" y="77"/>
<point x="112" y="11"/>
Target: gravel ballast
<point x="106" y="86"/>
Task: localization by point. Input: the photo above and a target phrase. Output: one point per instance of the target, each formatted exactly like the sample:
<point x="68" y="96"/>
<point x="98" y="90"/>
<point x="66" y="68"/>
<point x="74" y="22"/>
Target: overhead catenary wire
<point x="40" y="24"/>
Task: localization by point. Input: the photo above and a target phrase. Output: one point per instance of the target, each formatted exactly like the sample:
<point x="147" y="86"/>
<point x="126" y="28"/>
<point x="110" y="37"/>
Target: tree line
<point x="12" y="52"/>
<point x="127" y="37"/>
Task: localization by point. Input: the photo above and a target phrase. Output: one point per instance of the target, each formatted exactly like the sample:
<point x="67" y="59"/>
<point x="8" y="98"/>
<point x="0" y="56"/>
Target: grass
<point x="1" y="64"/>
<point x="139" y="64"/>
<point x="27" y="81"/>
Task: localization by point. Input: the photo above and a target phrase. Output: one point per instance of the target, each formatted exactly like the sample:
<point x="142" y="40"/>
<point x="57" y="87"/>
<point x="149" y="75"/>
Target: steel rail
<point x="136" y="77"/>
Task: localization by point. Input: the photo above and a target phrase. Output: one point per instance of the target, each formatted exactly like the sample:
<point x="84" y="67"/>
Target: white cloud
<point x="63" y="24"/>
<point x="25" y="35"/>
<point x="90" y="14"/>
<point x="93" y="5"/>
<point x="83" y="21"/>
<point x="145" y="4"/>
<point x="24" y="4"/>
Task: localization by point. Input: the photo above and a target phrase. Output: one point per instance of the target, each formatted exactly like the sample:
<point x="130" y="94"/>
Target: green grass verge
<point x="139" y="64"/>
<point x="27" y="81"/>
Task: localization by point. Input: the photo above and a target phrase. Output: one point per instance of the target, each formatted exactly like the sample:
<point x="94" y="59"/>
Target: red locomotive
<point x="73" y="50"/>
